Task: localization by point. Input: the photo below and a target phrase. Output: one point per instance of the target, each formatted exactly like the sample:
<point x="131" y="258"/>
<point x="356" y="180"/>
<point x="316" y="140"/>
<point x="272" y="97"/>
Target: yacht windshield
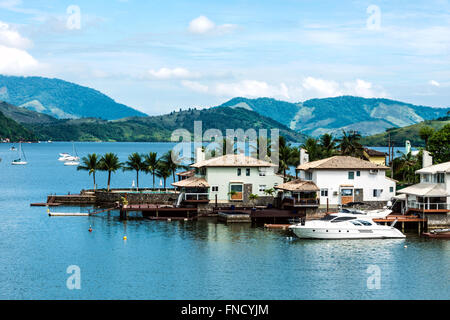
<point x="340" y="219"/>
<point x="328" y="217"/>
<point x="365" y="223"/>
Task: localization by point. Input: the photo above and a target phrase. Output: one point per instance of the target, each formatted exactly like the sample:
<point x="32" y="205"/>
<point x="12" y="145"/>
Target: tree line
<point x="162" y="167"/>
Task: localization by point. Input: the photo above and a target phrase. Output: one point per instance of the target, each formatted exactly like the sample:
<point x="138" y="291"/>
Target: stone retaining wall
<point x="104" y="197"/>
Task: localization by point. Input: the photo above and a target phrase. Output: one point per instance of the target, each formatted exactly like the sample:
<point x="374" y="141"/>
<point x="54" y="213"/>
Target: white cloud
<point x="434" y="83"/>
<point x="175" y="73"/>
<point x="203" y="25"/>
<point x="321" y="88"/>
<point x="16" y="61"/>
<point x="244" y="88"/>
<point x="11" y="38"/>
<point x="195" y="86"/>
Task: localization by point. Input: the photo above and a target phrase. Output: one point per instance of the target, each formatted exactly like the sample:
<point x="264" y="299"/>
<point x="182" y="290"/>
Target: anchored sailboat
<point x="19" y="161"/>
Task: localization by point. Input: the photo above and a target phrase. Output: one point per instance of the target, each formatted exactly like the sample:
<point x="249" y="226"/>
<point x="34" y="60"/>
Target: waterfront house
<point x="344" y="179"/>
<point x="228" y="178"/>
<point x="299" y="193"/>
<point x="375" y="156"/>
<point x="431" y="197"/>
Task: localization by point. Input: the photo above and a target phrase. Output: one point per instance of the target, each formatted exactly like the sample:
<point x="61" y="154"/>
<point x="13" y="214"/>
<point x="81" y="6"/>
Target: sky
<point x="159" y="56"/>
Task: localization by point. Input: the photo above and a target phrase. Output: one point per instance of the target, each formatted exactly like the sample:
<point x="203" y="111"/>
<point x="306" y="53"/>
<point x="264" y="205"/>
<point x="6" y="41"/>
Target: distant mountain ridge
<point x="155" y="128"/>
<point x="61" y="99"/>
<point x="14" y="131"/>
<point x="332" y="115"/>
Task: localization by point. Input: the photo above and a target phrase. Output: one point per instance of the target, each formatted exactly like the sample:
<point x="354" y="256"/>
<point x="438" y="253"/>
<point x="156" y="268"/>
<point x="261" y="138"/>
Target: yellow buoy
<point x="125" y="238"/>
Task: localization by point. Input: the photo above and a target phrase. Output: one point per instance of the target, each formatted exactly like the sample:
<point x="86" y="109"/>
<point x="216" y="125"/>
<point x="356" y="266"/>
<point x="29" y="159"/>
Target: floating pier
<point x="67" y="214"/>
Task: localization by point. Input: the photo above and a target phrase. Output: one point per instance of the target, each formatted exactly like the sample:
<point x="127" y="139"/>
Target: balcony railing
<point x="428" y="206"/>
<point x="196" y="197"/>
<point x="302" y="202"/>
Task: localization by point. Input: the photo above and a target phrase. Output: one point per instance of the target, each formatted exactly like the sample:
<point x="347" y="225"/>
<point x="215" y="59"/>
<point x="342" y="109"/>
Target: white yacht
<point x="66" y="157"/>
<point x="345" y="226"/>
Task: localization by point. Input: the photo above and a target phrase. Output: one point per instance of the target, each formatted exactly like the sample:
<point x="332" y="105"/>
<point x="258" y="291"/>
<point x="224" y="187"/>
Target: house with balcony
<point x="228" y="178"/>
<point x="344" y="179"/>
<point x="432" y="194"/>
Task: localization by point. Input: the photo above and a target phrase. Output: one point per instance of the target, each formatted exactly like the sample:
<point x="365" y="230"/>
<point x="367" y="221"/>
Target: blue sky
<point x="159" y="56"/>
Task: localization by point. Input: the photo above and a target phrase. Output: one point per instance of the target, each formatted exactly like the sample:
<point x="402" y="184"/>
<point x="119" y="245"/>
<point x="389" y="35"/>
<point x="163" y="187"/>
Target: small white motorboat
<point x="345" y="226"/>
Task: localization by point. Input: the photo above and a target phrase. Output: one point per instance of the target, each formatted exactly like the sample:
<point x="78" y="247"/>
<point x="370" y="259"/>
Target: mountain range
<point x="332" y="115"/>
<point x="155" y="128"/>
<point x="61" y="99"/>
<point x="54" y="109"/>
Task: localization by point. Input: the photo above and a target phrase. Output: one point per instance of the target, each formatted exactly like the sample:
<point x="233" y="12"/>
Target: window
<point x="351" y="175"/>
<point x="247" y="172"/>
<point x="347" y="192"/>
<point x="239" y="171"/>
<point x="262" y="172"/>
<point x="440" y="178"/>
<point x="262" y="187"/>
<point x="391" y="189"/>
<point x="377" y="192"/>
<point x="236" y="192"/>
<point x="215" y="188"/>
<point x="358" y="173"/>
<point x="308" y="176"/>
<point x="324" y="192"/>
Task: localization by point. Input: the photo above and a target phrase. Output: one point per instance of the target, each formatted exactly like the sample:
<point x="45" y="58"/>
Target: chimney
<point x="407" y="147"/>
<point x="427" y="159"/>
<point x="304" y="156"/>
<point x="199" y="155"/>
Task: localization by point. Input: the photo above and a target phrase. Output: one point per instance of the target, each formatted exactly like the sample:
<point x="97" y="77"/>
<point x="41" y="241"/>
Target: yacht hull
<point x="344" y="233"/>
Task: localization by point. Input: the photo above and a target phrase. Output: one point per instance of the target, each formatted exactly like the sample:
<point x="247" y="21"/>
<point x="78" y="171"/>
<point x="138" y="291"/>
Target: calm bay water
<point x="184" y="260"/>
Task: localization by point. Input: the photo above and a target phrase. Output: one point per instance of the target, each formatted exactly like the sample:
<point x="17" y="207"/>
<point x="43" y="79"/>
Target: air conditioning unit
<point x="335" y="193"/>
<point x="373" y="171"/>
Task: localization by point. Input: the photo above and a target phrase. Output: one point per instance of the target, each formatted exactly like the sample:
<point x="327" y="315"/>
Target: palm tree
<point x="313" y="148"/>
<point x="253" y="197"/>
<point x="287" y="157"/>
<point x="163" y="171"/>
<point x="328" y="144"/>
<point x="135" y="163"/>
<point x="151" y="164"/>
<point x="172" y="162"/>
<point x="425" y="134"/>
<point x="91" y="164"/>
<point x="110" y="163"/>
<point x="349" y="144"/>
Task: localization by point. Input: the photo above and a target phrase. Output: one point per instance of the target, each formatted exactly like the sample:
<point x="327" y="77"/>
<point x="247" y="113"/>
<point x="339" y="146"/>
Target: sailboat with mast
<point x="22" y="160"/>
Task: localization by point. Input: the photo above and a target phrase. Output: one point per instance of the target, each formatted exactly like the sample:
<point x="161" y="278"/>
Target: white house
<point x="228" y="178"/>
<point x="432" y="194"/>
<point x="343" y="179"/>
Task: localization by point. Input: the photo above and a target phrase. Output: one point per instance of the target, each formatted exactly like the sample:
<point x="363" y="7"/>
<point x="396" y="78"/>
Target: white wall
<point x="333" y="179"/>
<point x="222" y="176"/>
